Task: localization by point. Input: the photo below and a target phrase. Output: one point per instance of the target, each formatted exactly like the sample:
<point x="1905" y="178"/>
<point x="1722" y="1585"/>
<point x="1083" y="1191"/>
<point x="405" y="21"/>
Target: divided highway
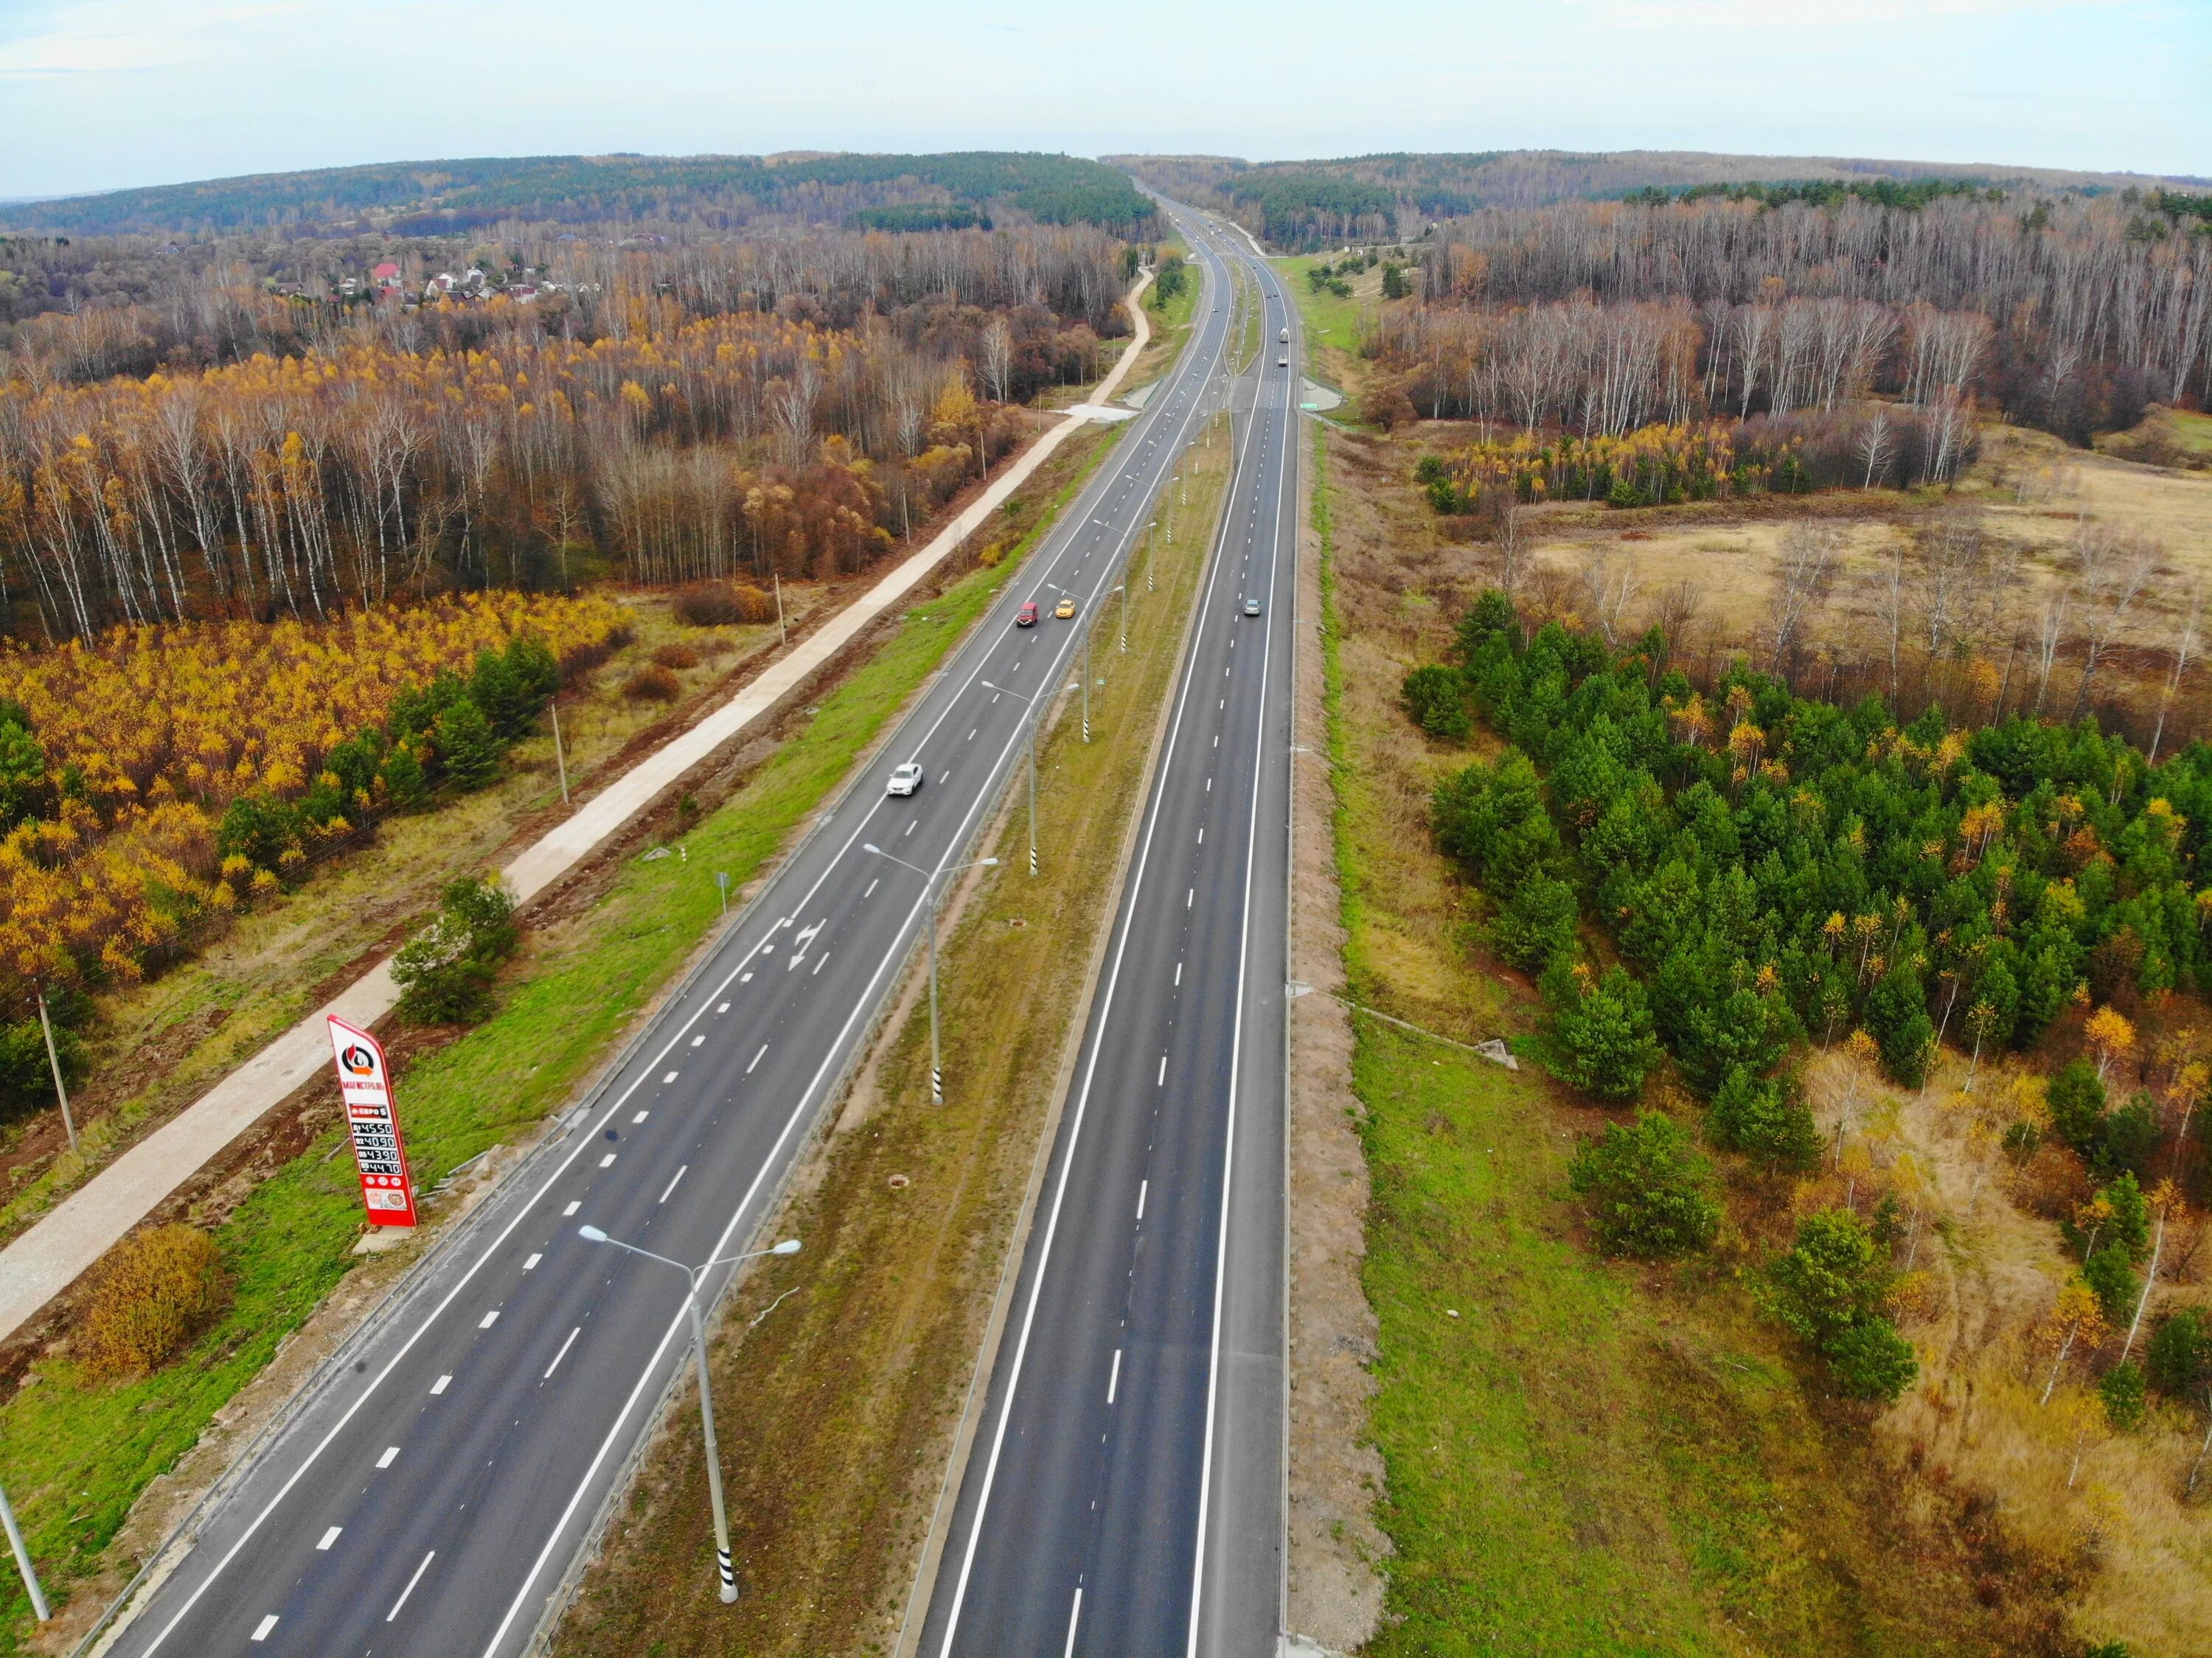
<point x="1124" y="1495"/>
<point x="427" y="1499"/>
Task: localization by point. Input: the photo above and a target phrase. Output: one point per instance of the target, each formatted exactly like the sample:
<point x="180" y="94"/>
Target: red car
<point x="1026" y="617"/>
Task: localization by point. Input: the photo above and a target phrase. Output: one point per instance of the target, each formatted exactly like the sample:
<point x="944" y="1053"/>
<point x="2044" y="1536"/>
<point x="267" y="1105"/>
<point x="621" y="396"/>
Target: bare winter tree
<point x="1803" y="575"/>
<point x="2112" y="570"/>
<point x="1611" y="581"/>
<point x="2050" y="630"/>
<point x="998" y="358"/>
<point x="2184" y="646"/>
<point x="1875" y="446"/>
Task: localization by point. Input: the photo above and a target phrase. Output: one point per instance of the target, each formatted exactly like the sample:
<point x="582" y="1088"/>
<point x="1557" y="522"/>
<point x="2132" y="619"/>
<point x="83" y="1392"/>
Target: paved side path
<point x="45" y="1260"/>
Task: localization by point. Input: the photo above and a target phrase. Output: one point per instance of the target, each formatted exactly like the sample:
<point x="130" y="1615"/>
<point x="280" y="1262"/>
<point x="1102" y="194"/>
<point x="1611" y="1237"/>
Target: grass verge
<point x="74" y="1457"/>
<point x="1582" y="1458"/>
<point x="853" y="1387"/>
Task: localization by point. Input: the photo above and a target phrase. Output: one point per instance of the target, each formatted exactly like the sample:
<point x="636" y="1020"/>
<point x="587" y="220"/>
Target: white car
<point x="1282" y="362"/>
<point x="905" y="778"/>
<point x="1251" y="607"/>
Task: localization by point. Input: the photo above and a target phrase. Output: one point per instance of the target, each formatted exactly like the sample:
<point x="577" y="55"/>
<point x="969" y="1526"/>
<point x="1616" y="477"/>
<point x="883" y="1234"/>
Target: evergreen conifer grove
<point x="1775" y="872"/>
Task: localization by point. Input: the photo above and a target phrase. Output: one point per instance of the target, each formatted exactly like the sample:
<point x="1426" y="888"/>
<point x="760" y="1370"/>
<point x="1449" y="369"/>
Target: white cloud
<point x="127" y="37"/>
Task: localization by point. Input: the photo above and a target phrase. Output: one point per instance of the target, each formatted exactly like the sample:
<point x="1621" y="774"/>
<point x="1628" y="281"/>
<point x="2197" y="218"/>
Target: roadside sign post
<point x="373" y="1118"/>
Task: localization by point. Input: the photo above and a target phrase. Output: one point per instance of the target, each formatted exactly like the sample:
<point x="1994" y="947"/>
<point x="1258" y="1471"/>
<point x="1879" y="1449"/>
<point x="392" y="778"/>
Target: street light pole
<point x="1086" y="681"/>
<point x="1124" y="591"/>
<point x="929" y="895"/>
<point x="1148" y="552"/>
<point x="1037" y="718"/>
<point x="38" y="1607"/>
<point x="725" y="1565"/>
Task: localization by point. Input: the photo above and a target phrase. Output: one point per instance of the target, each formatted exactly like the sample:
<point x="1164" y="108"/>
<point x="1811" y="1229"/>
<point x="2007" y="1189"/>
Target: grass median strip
<point x="75" y="1456"/>
<point x="851" y="1388"/>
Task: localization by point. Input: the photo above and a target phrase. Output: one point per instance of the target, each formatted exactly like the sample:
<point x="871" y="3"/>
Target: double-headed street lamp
<point x="929" y="895"/>
<point x="725" y="1565"/>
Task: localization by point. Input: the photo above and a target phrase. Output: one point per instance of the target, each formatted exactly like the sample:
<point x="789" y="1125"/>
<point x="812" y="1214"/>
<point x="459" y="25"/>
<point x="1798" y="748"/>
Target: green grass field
<point x="1582" y="1457"/>
<point x="1331" y="321"/>
<point x="74" y="1457"/>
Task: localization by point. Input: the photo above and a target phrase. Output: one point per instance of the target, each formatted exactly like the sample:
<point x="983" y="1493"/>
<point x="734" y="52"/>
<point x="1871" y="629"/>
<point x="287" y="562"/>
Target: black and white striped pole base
<point x="729" y="1576"/>
<point x="936" y="1085"/>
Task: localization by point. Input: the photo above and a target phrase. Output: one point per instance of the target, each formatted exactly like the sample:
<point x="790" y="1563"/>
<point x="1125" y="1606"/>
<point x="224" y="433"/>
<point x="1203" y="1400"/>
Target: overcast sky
<point x="100" y="93"/>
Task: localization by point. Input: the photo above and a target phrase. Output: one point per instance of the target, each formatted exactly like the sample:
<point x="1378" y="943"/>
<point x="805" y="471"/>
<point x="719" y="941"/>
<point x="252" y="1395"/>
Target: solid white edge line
<point x="1083" y="1095"/>
<point x="1235" y="1060"/>
<point x="1074" y="1617"/>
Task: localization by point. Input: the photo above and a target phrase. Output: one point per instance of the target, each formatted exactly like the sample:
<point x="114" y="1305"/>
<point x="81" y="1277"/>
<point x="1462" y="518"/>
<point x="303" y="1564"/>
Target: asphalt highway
<point x="1124" y="1493"/>
<point x="427" y="1499"/>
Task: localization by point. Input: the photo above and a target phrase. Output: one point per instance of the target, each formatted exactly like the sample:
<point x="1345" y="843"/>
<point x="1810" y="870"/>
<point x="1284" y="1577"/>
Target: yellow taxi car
<point x="1065" y="609"/>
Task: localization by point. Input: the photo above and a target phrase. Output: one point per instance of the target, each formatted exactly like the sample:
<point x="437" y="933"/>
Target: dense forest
<point x="2065" y="313"/>
<point x="1397" y="195"/>
<point x="717" y="191"/>
<point x="665" y="412"/>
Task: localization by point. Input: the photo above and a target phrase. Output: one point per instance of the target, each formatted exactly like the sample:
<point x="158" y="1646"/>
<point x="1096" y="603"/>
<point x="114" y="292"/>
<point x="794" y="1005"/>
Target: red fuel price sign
<point x="365" y="1081"/>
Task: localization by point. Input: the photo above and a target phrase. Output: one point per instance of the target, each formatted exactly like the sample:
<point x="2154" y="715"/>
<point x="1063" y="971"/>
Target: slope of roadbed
<point x="50" y="1256"/>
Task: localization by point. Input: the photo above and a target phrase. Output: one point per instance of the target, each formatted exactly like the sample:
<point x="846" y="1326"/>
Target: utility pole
<point x="722" y="880"/>
<point x="54" y="1060"/>
<point x="559" y="759"/>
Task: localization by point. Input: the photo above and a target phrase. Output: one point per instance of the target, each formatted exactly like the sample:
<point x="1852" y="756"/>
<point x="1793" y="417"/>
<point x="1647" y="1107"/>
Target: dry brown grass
<point x="1977" y="1418"/>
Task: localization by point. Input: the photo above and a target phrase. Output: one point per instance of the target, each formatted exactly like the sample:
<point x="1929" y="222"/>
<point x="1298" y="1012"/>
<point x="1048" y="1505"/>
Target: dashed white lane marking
<point x="871" y="892"/>
<point x="532" y="1263"/>
<point x="971" y="735"/>
<point x="700" y="1040"/>
<point x="1201" y="837"/>
<point x="820" y="962"/>
<point x="1178" y="974"/>
<point x="1163" y="1081"/>
<point x="442" y="1384"/>
<point x="1114" y="1380"/>
<point x="725" y="1007"/>
<point x="639" y="1117"/>
<point x="563" y="1354"/>
<point x="329" y="1538"/>
<point x="608" y="1160"/>
<point x="390" y="1455"/>
<point x="1143" y="1187"/>
<point x="412" y="1582"/>
<point x="910" y="828"/>
<point x="1190" y="898"/>
<point x="1209" y="786"/>
<point x="261" y="1629"/>
<point x="743" y="979"/>
<point x="667" y="1080"/>
<point x="757" y="1059"/>
<point x="573" y="1207"/>
<point x="488" y="1320"/>
<point x="671" y="1184"/>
